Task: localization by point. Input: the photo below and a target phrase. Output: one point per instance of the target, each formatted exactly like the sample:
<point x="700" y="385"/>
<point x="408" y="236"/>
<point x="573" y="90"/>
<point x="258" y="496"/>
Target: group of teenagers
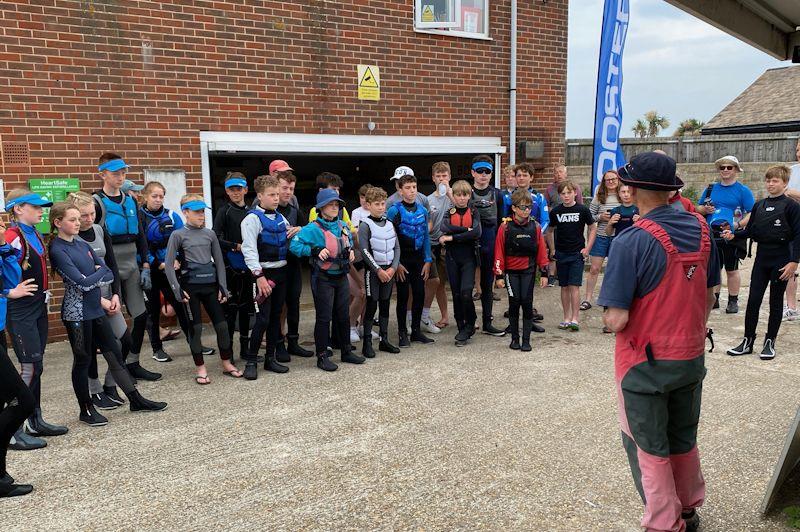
<point x="111" y="250"/>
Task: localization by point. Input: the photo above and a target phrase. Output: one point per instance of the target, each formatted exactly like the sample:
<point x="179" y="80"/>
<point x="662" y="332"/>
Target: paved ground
<point x="432" y="438"/>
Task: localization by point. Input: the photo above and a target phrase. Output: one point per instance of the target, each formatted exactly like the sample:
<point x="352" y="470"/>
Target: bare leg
<point x="575" y="301"/>
<point x="734" y="283"/>
<point x="566" y="302"/>
<point x="791" y="293"/>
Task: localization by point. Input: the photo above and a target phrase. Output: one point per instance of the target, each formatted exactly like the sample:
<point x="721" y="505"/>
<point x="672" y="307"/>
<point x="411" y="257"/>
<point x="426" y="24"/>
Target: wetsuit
<point x="380" y="249"/>
<point x="461" y="259"/>
<point x="294" y="281"/>
<point x="489" y="205"/>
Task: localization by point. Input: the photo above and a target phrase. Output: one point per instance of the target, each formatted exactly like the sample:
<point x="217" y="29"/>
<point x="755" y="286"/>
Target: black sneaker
<point x="352" y="358"/>
<point x="207" y="351"/>
<point x="744" y="348"/>
<point x="514" y="343"/>
<point x="91" y="417"/>
<point x="251" y="371"/>
<point x="112" y="393"/>
<point x="102" y="402"/>
<point x="404" y="340"/>
<point x="692" y="520"/>
<point x="733" y="307"/>
<point x="388" y="347"/>
<point x="462" y="336"/>
<point x="490" y="329"/>
<point x="417" y="336"/>
<point x="324" y="362"/>
<point x="768" y="353"/>
<point x="138" y="372"/>
<point x="160" y="355"/>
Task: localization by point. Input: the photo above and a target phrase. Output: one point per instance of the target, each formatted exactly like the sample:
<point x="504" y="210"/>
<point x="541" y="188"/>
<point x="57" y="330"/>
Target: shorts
<point x="438" y="268"/>
<point x="728" y="256"/>
<point x="570" y="268"/>
<point x="601" y="246"/>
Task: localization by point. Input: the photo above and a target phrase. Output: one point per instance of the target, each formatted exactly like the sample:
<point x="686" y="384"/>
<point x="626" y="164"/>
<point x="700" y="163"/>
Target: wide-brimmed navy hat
<point x="651" y="171"/>
<point x="327" y="195"/>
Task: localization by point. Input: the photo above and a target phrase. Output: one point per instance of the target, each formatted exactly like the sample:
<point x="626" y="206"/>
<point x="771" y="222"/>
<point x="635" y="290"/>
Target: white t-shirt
<point x="357" y="215"/>
<point x="794" y="178"/>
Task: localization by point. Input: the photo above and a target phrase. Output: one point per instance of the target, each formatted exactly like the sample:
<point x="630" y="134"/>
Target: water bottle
<point x="737" y="216"/>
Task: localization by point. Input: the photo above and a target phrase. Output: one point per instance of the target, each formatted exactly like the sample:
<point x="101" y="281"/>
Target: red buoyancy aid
<point x="669" y="323"/>
<point x="338" y="249"/>
<point x="461" y="220"/>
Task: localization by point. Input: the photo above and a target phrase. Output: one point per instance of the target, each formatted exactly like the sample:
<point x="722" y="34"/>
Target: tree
<point x="640" y="128"/>
<point x="690" y="126"/>
<point x="655" y="123"/>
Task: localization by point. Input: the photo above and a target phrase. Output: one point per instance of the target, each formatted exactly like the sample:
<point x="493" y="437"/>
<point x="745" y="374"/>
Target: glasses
<point x="611" y="180"/>
<point x="726" y="167"/>
<point x="523" y="207"/>
<point x="483" y="171"/>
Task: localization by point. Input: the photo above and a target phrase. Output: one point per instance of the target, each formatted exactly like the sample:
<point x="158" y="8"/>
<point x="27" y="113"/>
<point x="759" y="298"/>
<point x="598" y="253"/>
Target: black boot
<point x="733" y="305"/>
<point x="513" y="328"/>
<point x="535" y="327"/>
<point x="386" y="346"/>
<point x="21" y="441"/>
<point x="9" y="489"/>
<point x="138" y="372"/>
<point x="352" y="358"/>
<point x="112" y="393"/>
<point x="418" y="336"/>
<point x="514" y="342"/>
<point x="716" y="301"/>
<point x="92" y="417"/>
<point x="36" y="426"/>
<point x="140" y="404"/>
<point x="462" y="336"/>
<point x="744" y="348"/>
<point x="527" y="325"/>
<point x="281" y="354"/>
<point x="768" y="353"/>
<point x="251" y="370"/>
<point x="324" y="362"/>
<point x="271" y="364"/>
<point x="403" y="337"/>
<point x="366" y="347"/>
<point x="296" y="349"/>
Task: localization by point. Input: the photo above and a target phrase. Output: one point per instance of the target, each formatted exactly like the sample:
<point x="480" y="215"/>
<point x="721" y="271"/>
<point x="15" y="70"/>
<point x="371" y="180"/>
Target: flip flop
<point x="442" y="324"/>
<point x="564" y="325"/>
<point x="234" y="373"/>
<point x="585" y="305"/>
<point x="171" y="335"/>
<point x="198" y="378"/>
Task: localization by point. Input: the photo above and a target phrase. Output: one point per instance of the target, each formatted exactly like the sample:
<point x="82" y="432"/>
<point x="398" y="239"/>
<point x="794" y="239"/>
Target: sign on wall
<point x="54" y="189"/>
<point x="369" y="83"/>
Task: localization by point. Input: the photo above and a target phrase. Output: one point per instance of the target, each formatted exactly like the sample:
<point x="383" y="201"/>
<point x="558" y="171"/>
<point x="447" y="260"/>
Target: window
<point x="459" y="18"/>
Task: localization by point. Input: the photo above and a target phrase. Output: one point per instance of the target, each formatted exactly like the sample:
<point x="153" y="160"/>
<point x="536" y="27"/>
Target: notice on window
<point x="55" y="190"/>
<point x="369" y="83"/>
<point x="427" y="13"/>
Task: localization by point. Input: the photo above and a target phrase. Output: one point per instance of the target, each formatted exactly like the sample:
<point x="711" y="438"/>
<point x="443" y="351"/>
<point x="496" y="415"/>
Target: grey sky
<point x="673" y="63"/>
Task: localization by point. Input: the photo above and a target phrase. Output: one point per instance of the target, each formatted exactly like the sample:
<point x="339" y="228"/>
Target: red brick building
<point x="189" y="90"/>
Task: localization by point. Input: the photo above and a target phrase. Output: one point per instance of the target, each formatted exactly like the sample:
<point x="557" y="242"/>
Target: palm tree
<point x="655" y="123"/>
<point x="690" y="126"/>
<point x="640" y="128"/>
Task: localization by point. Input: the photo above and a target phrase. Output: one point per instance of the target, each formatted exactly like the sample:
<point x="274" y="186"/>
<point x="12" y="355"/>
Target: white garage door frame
<point x="311" y="144"/>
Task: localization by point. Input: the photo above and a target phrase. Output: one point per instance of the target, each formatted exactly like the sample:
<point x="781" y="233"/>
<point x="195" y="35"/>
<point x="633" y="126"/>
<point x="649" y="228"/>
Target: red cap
<point x="279" y="166"/>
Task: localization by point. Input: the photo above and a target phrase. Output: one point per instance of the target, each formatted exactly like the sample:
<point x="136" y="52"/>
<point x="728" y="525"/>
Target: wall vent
<point x="16" y="154"/>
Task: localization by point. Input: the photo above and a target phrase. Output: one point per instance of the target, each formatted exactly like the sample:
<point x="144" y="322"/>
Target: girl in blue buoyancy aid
<point x="159" y="223"/>
<point x="327" y="241"/>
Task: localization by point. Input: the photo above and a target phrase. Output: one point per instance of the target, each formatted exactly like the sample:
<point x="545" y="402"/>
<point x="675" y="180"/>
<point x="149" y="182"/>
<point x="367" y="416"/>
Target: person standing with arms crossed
<point x="665" y="265"/>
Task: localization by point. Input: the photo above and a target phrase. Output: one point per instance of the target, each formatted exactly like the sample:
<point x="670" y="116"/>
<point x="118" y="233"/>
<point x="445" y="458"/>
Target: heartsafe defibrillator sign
<point x="369" y="83"/>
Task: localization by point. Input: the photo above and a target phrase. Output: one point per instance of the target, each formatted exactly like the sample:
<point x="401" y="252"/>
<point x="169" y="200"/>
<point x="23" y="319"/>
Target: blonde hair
<point x="14" y="194"/>
<point x="80" y="199"/>
<point x="782" y="172"/>
<point x="191" y="197"/>
<point x="462" y="188"/>
<point x="150" y="185"/>
<point x="441" y="166"/>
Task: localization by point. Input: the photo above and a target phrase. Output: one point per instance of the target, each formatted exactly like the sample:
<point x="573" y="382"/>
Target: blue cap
<point x="113" y="165"/>
<point x="31" y="199"/>
<point x="235" y="182"/>
<point x="129" y="185"/>
<point x="327" y="195"/>
<point x="483" y="164"/>
<point x="194" y="205"/>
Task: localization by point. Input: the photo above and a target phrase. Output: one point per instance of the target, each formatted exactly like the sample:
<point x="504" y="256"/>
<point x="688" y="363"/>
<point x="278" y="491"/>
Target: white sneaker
<point x="354" y="337"/>
<point x="375" y="335"/>
<point x="430" y="326"/>
<point x="791" y="315"/>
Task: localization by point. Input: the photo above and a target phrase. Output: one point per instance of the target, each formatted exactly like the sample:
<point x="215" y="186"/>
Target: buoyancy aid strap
<point x="659" y="234"/>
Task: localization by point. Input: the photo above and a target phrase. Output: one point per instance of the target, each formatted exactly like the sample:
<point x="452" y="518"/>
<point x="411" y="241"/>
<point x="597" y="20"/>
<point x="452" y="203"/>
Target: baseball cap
<point x="129" y="185"/>
<point x="327" y="195"/>
<point x="113" y="165"/>
<point x="400" y="171"/>
<point x="279" y="165"/>
<point x="651" y="171"/>
<point x="31" y="199"/>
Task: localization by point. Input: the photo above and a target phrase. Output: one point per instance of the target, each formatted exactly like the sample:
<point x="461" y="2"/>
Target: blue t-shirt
<point x="726" y="199"/>
<point x="626" y="215"/>
<point x="637" y="261"/>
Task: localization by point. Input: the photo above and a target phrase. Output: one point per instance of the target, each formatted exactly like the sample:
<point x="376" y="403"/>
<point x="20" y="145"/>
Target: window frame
<point x="455" y="8"/>
<point x="483" y="36"/>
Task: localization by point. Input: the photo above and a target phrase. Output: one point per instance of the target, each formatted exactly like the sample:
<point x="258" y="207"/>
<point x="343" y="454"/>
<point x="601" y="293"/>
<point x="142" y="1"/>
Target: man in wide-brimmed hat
<point x="658" y="292"/>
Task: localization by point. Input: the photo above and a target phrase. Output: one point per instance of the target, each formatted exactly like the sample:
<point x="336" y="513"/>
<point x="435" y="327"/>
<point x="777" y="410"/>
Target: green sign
<point x="54" y="189"/>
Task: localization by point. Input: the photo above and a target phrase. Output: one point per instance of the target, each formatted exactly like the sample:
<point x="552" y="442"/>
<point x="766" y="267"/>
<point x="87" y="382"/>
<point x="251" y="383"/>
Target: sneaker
<point x="431" y="327"/>
<point x="112" y="393"/>
<point x="373" y="333"/>
<point x="207" y="351"/>
<point x="733" y="307"/>
<point x="490" y="329"/>
<point x="790" y="314"/>
<point x="768" y="353"/>
<point x="744" y="348"/>
<point x="91" y="417"/>
<point x="354" y="337"/>
<point x="462" y="336"/>
<point x="551" y="282"/>
<point x="419" y="337"/>
<point x="160" y="356"/>
<point x="102" y="402"/>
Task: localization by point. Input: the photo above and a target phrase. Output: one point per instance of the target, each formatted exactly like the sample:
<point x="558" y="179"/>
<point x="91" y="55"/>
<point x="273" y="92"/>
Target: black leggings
<point x="766" y="272"/>
<point x="161" y="286"/>
<point x="461" y="276"/>
<point x="125" y="348"/>
<point x="16" y="401"/>
<point x="379" y="296"/>
<point x="240" y="305"/>
<point x="332" y="303"/>
<point x="85" y="337"/>
<point x="488" y="235"/>
<point x="519" y="286"/>
<point x="268" y="318"/>
<point x="205" y="296"/>
<point x="416" y="285"/>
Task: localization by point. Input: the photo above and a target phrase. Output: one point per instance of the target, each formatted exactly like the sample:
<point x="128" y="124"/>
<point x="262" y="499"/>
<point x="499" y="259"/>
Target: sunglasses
<point x="726" y="167"/>
<point x="523" y="207"/>
<point x="483" y="171"/>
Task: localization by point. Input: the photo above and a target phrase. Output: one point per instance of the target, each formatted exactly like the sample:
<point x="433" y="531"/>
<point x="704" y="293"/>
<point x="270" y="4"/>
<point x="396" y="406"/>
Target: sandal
<point x="574" y="327"/>
<point x="442" y="324"/>
<point x="199" y="378"/>
<point x="171" y="335"/>
<point x="564" y="325"/>
<point x="585" y="305"/>
<point x="606" y="330"/>
<point x="235" y="373"/>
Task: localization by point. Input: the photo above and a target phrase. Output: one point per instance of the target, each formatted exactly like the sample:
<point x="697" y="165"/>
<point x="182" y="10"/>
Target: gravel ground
<point x="436" y="437"/>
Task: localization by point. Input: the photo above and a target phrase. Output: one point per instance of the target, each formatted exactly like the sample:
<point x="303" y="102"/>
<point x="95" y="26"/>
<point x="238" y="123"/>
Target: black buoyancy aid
<point x="521" y="240"/>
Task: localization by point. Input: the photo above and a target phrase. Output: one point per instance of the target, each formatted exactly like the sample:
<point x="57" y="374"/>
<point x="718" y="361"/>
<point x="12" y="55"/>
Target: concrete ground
<point x="433" y="438"/>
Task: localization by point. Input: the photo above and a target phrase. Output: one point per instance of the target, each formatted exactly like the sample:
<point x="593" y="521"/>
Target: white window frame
<point x="455" y="9"/>
<point x="438" y="30"/>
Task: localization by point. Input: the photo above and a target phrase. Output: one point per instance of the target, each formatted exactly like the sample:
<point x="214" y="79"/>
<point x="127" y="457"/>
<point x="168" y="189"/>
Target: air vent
<point x="16" y="154"/>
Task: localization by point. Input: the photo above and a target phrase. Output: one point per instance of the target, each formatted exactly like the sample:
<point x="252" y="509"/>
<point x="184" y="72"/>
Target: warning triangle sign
<point x="427" y="14"/>
<point x="368" y="79"/>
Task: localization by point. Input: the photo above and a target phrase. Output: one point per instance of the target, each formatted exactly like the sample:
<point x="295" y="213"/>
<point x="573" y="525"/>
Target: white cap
<point x="400" y="171"/>
<point x="729" y="159"/>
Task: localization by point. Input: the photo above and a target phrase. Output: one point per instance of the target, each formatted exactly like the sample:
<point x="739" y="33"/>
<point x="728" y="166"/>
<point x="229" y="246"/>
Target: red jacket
<point x="502" y="262"/>
<point x="687" y="203"/>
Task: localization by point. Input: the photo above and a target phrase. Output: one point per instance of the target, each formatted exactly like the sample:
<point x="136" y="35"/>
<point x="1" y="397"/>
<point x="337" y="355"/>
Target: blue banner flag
<point x="608" y="106"/>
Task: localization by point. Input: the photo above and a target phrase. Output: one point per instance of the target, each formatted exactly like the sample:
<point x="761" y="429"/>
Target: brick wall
<point x="143" y="78"/>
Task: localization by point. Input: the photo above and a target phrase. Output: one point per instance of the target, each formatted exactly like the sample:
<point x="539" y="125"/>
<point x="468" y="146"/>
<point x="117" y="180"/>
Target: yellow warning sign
<point x="427" y="13"/>
<point x="369" y="83"/>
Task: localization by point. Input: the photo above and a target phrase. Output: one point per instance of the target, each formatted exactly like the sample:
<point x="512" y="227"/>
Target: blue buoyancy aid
<point x="157" y="230"/>
<point x="273" y="243"/>
<point x="121" y="220"/>
<point x="413" y="226"/>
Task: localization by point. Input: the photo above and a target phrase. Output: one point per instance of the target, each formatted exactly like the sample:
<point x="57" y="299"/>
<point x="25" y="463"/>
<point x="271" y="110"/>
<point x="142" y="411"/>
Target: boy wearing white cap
<point x="399" y="172"/>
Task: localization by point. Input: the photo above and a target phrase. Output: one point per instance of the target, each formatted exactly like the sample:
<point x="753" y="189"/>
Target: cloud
<point x="674" y="63"/>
